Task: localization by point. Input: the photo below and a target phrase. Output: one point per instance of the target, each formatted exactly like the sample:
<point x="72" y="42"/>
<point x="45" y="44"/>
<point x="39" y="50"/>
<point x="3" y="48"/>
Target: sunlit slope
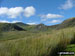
<point x="67" y="23"/>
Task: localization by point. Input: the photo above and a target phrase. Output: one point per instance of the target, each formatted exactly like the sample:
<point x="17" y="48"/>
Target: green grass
<point x="70" y="48"/>
<point x="26" y="43"/>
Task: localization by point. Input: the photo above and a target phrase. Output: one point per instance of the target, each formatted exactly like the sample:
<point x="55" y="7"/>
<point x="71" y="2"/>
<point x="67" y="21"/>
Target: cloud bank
<point x="55" y="21"/>
<point x="17" y="11"/>
<point x="50" y="16"/>
<point x="67" y="5"/>
<point x="5" y="21"/>
<point x="32" y="23"/>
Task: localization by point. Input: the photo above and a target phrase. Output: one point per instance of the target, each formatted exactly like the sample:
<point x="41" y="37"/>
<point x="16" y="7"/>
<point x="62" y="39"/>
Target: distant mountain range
<point x="19" y="26"/>
<point x="66" y="23"/>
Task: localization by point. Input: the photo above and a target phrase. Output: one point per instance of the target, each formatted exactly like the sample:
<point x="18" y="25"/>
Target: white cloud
<point x="15" y="21"/>
<point x="50" y="16"/>
<point x="3" y="11"/>
<point x="14" y="12"/>
<point x="53" y="16"/>
<point x="29" y="11"/>
<point x="55" y="21"/>
<point x="32" y="23"/>
<point x="5" y="21"/>
<point x="67" y="5"/>
<point x="17" y="11"/>
<point x="11" y="12"/>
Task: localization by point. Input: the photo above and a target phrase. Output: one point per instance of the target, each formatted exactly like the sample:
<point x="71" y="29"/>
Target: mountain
<point x="25" y="26"/>
<point x="21" y="24"/>
<point x="53" y="26"/>
<point x="40" y="27"/>
<point x="67" y="23"/>
<point x="10" y="27"/>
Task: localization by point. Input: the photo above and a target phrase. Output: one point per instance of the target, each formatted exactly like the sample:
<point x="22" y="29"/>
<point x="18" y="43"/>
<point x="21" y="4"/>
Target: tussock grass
<point x="37" y="44"/>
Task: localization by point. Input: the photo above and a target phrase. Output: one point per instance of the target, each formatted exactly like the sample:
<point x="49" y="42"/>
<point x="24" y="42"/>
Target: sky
<point x="48" y="12"/>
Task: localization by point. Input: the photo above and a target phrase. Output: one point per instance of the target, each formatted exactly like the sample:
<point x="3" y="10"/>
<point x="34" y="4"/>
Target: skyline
<point x="48" y="12"/>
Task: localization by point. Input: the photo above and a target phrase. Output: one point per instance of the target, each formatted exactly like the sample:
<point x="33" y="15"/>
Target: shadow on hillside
<point x="73" y="40"/>
<point x="54" y="51"/>
<point x="60" y="47"/>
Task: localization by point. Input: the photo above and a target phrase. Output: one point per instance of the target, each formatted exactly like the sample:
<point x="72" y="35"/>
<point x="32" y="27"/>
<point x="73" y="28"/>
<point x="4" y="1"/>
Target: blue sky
<point x="49" y="12"/>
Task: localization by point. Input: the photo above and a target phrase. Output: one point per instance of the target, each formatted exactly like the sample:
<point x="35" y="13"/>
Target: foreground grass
<point x="70" y="48"/>
<point x="36" y="44"/>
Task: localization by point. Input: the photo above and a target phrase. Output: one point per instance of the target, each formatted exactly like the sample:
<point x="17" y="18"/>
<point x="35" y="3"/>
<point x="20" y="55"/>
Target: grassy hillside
<point x="67" y="23"/>
<point x="36" y="44"/>
<point x="40" y="27"/>
<point x="47" y="41"/>
<point x="9" y="27"/>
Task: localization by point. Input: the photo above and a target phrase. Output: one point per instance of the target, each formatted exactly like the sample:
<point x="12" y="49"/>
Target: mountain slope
<point x="9" y="27"/>
<point x="67" y="23"/>
<point x="25" y="26"/>
<point x="21" y="24"/>
<point x="40" y="27"/>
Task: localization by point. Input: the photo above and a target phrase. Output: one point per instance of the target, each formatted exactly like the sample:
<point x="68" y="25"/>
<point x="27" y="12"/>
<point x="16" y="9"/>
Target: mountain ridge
<point x="40" y="27"/>
<point x="10" y="27"/>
